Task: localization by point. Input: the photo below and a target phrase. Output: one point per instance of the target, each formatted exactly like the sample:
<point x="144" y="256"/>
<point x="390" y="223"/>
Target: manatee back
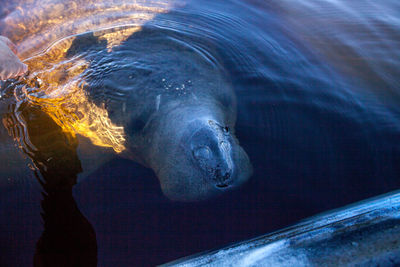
<point x="152" y="72"/>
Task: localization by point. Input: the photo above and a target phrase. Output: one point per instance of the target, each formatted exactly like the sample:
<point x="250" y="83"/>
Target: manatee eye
<point x="202" y="152"/>
<point x="226" y="129"/>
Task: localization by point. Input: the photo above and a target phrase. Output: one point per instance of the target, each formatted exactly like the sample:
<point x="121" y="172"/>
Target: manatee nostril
<point x="202" y="153"/>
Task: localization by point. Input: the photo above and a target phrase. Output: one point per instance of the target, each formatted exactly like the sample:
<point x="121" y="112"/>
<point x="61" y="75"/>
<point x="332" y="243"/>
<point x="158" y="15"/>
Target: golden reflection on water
<point x="57" y="86"/>
<point x="44" y="31"/>
<point x="36" y="24"/>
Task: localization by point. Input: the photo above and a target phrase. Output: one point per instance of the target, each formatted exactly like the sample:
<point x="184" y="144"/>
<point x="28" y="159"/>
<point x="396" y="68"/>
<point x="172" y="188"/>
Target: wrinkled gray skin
<point x="193" y="154"/>
<point x="10" y="65"/>
<point x="185" y="135"/>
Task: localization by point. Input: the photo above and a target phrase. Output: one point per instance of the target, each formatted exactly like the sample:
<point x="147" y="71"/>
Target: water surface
<point x="318" y="92"/>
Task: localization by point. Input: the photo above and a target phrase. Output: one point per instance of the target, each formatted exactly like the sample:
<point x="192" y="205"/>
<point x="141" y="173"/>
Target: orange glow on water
<point x="36" y="24"/>
<point x="56" y="85"/>
<point x="45" y="30"/>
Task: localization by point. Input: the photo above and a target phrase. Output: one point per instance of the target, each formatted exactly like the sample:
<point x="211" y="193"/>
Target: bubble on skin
<point x="179" y="88"/>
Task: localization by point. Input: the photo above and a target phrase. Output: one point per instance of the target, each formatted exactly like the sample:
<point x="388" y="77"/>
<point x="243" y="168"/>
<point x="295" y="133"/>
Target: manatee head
<point x="199" y="158"/>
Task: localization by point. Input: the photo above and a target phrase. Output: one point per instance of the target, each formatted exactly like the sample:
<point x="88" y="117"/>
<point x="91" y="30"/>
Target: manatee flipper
<point x="10" y="65"/>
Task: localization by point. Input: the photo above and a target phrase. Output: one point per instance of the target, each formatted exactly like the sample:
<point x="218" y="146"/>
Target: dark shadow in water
<point x="68" y="238"/>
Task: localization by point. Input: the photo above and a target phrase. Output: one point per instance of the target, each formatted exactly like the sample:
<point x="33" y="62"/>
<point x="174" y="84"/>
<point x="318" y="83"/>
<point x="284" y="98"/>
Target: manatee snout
<point x="207" y="161"/>
<point x="212" y="151"/>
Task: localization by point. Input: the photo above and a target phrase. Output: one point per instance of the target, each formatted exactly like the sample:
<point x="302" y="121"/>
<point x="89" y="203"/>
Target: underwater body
<point x="317" y="92"/>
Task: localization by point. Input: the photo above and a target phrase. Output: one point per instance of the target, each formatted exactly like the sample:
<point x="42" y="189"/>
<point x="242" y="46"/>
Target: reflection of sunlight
<point x="34" y="25"/>
<point x="116" y="36"/>
<point x="57" y="86"/>
<point x="56" y="83"/>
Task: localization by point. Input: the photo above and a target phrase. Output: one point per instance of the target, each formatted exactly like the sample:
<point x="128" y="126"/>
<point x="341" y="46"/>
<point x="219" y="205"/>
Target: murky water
<point x="318" y="113"/>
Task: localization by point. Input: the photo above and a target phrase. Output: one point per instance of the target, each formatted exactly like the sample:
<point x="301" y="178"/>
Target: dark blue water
<point x="318" y="93"/>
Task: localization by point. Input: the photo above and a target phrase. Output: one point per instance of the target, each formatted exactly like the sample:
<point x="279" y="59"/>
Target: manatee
<point x="146" y="92"/>
<point x="10" y="65"/>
